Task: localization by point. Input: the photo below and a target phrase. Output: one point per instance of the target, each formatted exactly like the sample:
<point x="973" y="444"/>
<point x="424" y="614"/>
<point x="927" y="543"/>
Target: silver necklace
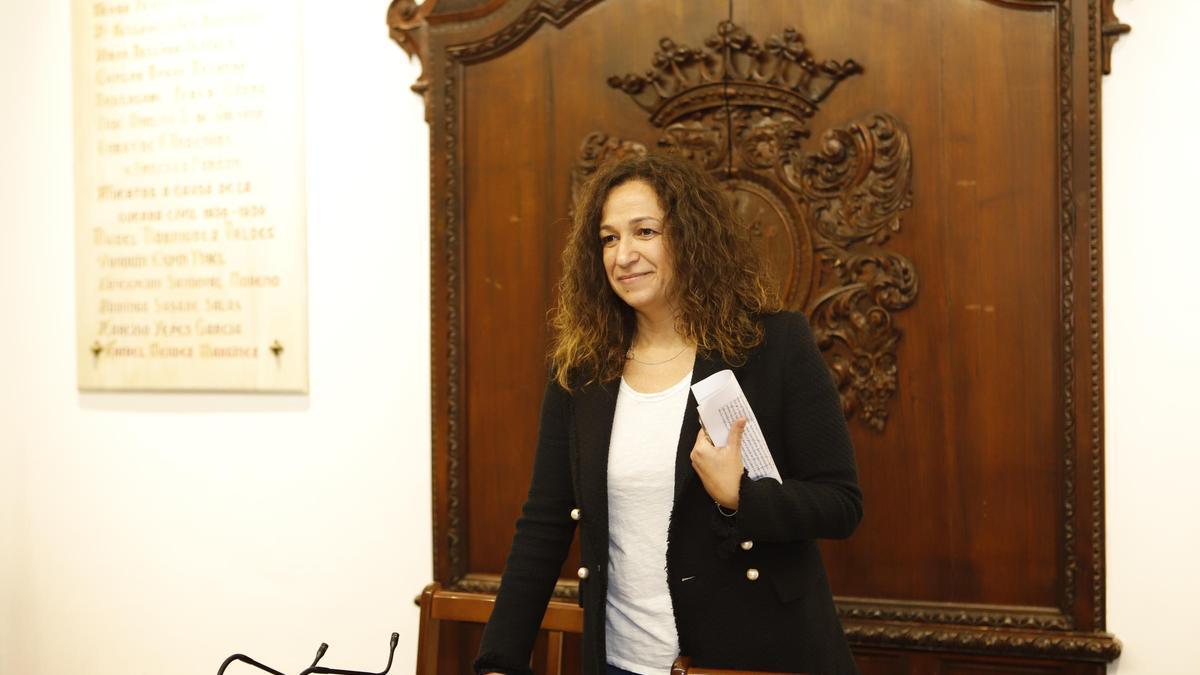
<point x="629" y="355"/>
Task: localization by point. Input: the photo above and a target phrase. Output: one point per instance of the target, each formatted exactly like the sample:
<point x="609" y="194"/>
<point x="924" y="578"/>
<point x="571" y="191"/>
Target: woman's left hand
<point x="721" y="468"/>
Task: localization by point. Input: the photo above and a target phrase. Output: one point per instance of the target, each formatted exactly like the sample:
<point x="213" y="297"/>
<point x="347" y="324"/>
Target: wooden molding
<point x="950" y="613"/>
<point x="539" y="11"/>
<point x="1096" y="647"/>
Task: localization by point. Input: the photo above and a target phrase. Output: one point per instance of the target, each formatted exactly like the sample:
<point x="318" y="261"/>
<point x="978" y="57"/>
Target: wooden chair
<point x="439" y="604"/>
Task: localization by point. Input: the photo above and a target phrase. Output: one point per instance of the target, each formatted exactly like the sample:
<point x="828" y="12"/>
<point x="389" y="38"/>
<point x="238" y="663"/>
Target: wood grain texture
<point x="984" y="529"/>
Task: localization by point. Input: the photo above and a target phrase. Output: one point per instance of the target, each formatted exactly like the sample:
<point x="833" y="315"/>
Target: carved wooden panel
<point x="739" y="107"/>
<point x="923" y="177"/>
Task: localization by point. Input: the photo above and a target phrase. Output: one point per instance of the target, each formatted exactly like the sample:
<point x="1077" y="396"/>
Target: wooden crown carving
<point x="780" y="73"/>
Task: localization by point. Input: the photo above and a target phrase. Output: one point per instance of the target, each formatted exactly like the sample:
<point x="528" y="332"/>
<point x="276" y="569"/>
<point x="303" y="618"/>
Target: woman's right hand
<point x="720" y="469"/>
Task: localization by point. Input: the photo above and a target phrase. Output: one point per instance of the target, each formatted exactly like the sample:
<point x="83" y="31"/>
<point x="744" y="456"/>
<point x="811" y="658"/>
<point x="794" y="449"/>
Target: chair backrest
<point x="439" y="605"/>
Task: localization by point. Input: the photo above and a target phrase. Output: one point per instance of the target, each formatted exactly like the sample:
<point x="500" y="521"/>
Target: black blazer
<point x="762" y="605"/>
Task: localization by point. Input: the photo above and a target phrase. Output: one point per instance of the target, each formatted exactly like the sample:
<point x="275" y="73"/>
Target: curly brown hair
<point x="719" y="288"/>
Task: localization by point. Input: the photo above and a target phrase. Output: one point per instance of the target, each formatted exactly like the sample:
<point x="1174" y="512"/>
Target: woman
<point x="681" y="552"/>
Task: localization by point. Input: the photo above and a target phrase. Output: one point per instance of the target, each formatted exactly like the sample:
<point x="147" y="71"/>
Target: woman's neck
<point x="658" y="357"/>
<point x="657" y="332"/>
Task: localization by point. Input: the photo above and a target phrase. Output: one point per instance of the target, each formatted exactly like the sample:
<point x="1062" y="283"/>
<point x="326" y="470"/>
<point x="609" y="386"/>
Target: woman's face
<point x="636" y="260"/>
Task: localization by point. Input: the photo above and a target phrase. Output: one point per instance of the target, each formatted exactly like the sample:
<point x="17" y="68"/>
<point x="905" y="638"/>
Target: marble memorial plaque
<point x="190" y="200"/>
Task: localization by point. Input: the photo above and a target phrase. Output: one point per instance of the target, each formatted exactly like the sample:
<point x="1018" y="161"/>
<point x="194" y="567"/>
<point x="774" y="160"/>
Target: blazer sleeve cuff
<point x="490" y="663"/>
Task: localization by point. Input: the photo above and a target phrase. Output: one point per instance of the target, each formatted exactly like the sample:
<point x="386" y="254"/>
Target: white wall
<point x="160" y="533"/>
<point x="1152" y="337"/>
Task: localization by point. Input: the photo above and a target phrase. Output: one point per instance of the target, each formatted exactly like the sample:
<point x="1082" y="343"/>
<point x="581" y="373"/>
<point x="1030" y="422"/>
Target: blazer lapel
<point x="705" y="366"/>
<point x="595" y="406"/>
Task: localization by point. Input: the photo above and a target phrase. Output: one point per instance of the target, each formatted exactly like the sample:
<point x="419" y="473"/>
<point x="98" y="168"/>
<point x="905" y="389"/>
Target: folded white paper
<point x="720" y="401"/>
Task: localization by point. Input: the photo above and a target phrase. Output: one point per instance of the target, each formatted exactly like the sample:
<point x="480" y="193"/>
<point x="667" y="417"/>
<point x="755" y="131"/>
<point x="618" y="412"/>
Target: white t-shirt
<point x="640" y="623"/>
